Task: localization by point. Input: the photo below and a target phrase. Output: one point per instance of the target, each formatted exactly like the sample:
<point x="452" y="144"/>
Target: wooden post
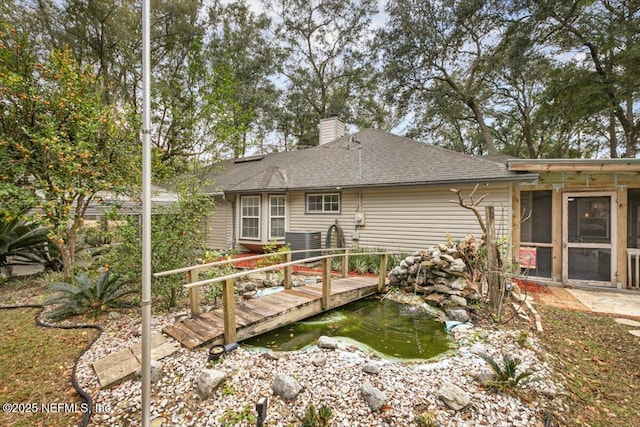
<point x="229" y="311"/>
<point x="345" y="264"/>
<point x="383" y="272"/>
<point x="288" y="283"/>
<point x="493" y="264"/>
<point x="556" y="235"/>
<point x="621" y="235"/>
<point x="326" y="283"/>
<point x="194" y="295"/>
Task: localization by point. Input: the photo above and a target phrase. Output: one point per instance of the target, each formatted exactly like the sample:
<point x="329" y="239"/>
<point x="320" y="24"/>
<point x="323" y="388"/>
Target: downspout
<point x="233" y="220"/>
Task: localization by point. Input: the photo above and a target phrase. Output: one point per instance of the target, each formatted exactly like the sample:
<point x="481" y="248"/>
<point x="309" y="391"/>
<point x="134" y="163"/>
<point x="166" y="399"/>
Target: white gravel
<point x="411" y="388"/>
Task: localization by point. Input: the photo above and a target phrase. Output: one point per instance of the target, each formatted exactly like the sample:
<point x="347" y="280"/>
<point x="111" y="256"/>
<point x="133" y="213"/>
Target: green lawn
<point x="35" y="371"/>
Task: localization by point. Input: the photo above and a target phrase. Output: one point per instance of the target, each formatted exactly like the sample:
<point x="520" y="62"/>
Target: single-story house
<point x="392" y="192"/>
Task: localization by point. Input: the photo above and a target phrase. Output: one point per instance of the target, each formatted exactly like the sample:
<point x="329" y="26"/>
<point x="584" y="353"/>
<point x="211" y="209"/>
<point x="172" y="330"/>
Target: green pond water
<point x="384" y="327"/>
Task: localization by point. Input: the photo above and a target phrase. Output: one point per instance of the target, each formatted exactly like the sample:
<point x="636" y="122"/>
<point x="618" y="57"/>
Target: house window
<point x="250" y="217"/>
<point x="323" y="203"/>
<point x="276" y="217"/>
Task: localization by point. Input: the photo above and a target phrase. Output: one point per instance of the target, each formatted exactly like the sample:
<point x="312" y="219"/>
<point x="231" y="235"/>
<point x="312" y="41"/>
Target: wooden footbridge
<point x="236" y="321"/>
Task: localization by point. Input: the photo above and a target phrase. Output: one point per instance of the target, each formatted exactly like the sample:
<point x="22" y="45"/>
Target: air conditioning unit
<point x="303" y="240"/>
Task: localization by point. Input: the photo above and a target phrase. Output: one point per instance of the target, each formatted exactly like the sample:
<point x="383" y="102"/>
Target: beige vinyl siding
<point x="219" y="225"/>
<point x="404" y="218"/>
<point x="418" y="217"/>
<point x="299" y="220"/>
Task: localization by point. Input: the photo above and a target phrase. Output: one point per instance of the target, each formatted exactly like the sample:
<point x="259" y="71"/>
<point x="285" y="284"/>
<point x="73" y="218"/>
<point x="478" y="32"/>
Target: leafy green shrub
<point x="507" y="377"/>
<point x="316" y="417"/>
<point x="243" y="416"/>
<point x="426" y="419"/>
<point x="177" y="241"/>
<point x="272" y="248"/>
<point x="88" y="296"/>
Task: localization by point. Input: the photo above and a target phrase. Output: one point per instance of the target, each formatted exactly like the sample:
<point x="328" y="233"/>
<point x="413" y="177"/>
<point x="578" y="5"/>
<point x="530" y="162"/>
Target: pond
<point x="387" y="328"/>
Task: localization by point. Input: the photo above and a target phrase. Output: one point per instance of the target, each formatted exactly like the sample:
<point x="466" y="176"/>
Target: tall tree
<point x="325" y="68"/>
<point x="440" y="52"/>
<point x="603" y="37"/>
<point x="242" y="56"/>
<point x="59" y="141"/>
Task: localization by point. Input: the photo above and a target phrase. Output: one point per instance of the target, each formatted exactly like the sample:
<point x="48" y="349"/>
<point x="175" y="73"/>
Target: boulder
<point x="328" y="342"/>
<point x="209" y="380"/>
<point x="155" y="369"/>
<point x="372" y="368"/>
<point x="459" y="301"/>
<point x="457" y="314"/>
<point x="374" y="398"/>
<point x="286" y="387"/>
<point x="453" y="396"/>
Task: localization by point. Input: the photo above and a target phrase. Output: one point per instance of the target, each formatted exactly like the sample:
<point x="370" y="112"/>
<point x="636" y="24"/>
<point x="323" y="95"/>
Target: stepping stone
<point x="628" y="322"/>
<point x="635" y="333"/>
<point x="123" y="364"/>
<point x="115" y="367"/>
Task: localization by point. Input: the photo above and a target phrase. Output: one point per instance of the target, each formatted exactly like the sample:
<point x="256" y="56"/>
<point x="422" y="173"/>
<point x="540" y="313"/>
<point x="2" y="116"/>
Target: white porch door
<point x="589" y="238"/>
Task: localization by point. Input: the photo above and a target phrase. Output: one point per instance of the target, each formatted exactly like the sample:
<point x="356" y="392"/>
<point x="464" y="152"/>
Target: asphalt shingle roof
<point x="386" y="160"/>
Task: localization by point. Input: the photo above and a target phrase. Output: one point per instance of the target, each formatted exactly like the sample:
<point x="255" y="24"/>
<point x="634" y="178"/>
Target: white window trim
<point x="242" y="217"/>
<point x="284" y="216"/>
<point x="322" y="211"/>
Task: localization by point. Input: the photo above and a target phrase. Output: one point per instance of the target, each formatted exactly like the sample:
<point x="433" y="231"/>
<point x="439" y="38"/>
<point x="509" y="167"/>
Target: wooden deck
<point x="259" y="315"/>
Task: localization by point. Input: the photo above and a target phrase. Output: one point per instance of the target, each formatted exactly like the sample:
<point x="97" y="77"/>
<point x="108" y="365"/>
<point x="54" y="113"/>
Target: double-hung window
<point x="250" y="217"/>
<point x="276" y="216"/>
<point x="323" y="203"/>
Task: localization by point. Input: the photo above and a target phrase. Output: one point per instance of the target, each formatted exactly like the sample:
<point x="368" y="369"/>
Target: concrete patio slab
<point x="628" y="322"/>
<point x="622" y="304"/>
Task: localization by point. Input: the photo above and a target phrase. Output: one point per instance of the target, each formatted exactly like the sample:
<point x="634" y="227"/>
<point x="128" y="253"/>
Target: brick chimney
<point x="331" y="129"/>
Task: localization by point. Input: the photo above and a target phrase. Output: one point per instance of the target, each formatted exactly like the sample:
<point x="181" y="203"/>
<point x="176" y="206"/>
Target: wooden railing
<point x="228" y="281"/>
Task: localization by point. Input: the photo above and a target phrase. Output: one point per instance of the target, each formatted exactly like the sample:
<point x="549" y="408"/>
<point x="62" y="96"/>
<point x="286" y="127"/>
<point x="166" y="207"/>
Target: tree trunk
<point x="494" y="274"/>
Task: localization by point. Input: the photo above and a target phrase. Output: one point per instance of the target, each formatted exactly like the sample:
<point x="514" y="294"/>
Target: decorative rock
<point x="156" y="370"/>
<point x="319" y="361"/>
<point x="459" y="301"/>
<point x="114" y="315"/>
<point x="453" y="396"/>
<point x="209" y="380"/>
<point x="372" y="368"/>
<point x="458" y="314"/>
<point x="270" y="355"/>
<point x="434" y="299"/>
<point x="328" y="342"/>
<point x="442" y="289"/>
<point x="485" y="377"/>
<point x="374" y="398"/>
<point x="458" y="284"/>
<point x="286" y="387"/>
<point x="457" y="266"/>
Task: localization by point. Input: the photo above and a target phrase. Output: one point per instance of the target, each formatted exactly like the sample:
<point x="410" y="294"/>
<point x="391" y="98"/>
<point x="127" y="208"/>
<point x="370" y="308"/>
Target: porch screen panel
<point x="250" y="217"/>
<point x="535" y="229"/>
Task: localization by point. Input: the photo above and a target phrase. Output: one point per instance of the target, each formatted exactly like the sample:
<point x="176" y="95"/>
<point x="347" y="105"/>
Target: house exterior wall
<point x="219" y="225"/>
<point x="414" y="218"/>
<point x="395" y="218"/>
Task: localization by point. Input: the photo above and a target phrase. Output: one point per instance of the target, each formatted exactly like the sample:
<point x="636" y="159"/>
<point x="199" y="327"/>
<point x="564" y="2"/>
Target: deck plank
<point x="259" y="315"/>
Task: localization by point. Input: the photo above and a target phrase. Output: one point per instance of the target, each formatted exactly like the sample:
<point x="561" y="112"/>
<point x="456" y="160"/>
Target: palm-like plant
<point x="21" y="243"/>
<point x="86" y="295"/>
<point x="507" y="376"/>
